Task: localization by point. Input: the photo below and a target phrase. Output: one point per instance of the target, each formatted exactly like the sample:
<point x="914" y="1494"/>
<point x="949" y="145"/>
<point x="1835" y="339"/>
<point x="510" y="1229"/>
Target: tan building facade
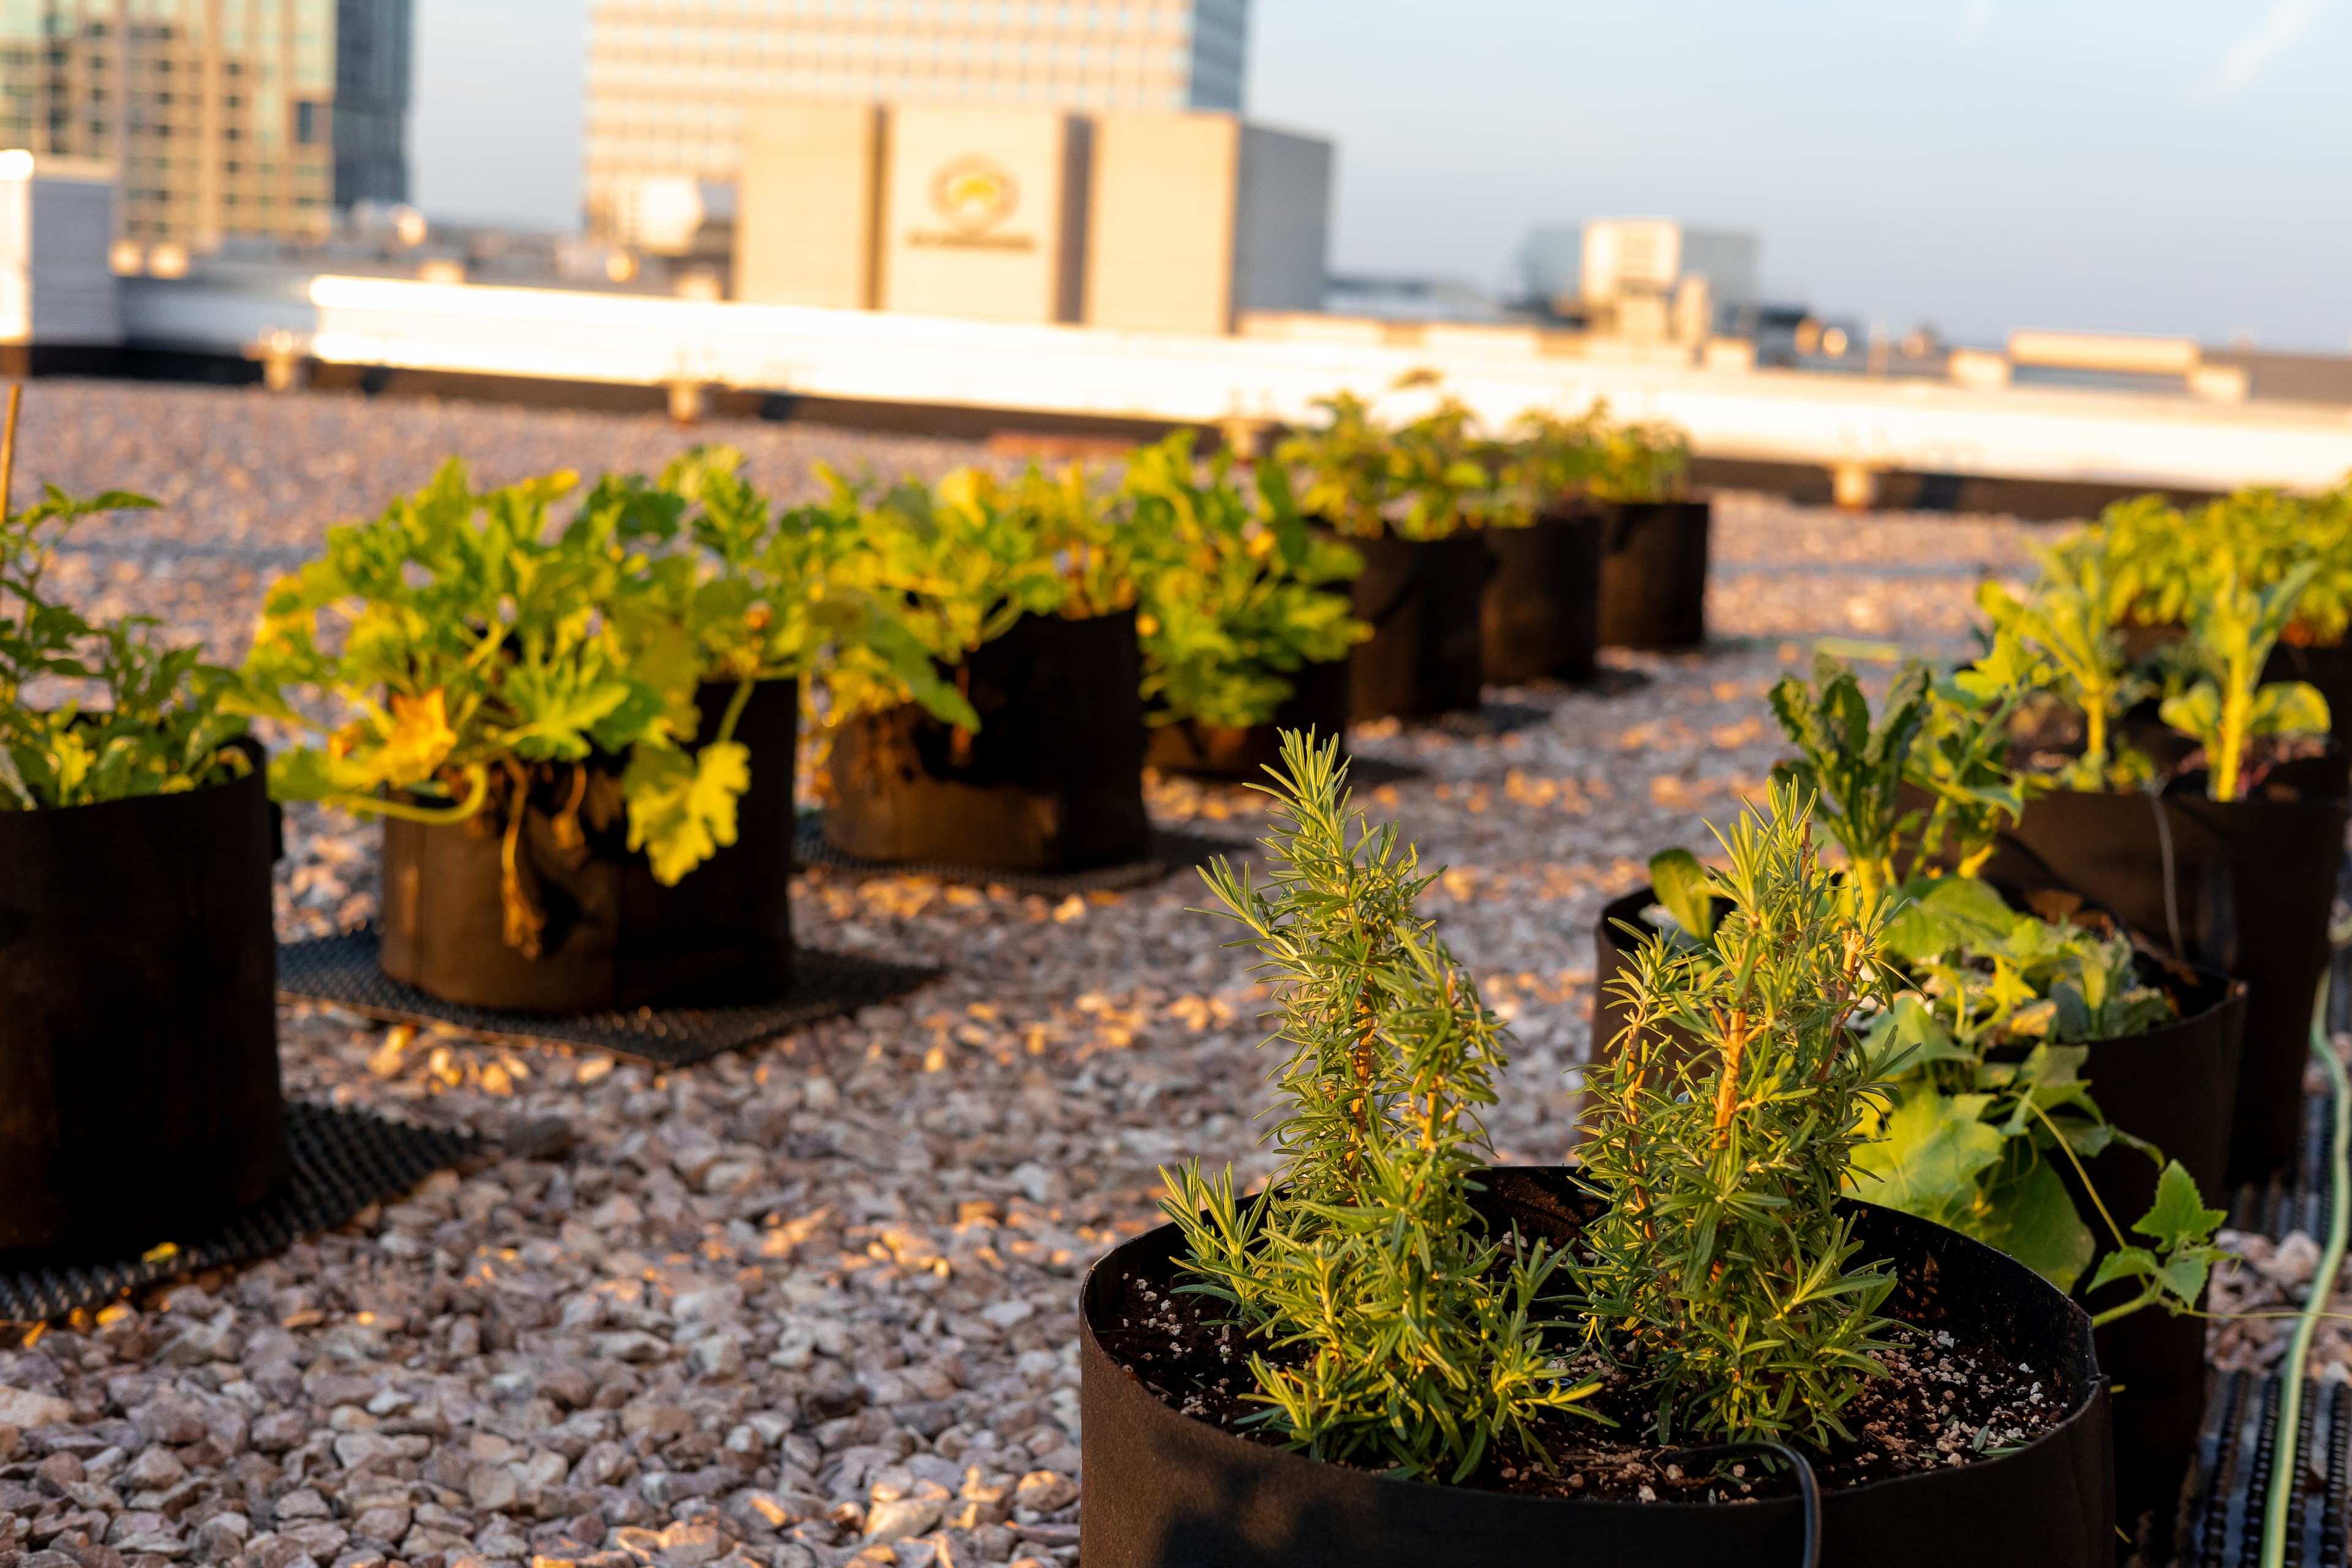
<point x="224" y="117"/>
<point x="672" y="84"/>
<point x="1147" y="222"/>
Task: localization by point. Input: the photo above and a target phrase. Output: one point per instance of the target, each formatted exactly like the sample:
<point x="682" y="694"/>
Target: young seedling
<point x="2068" y="621"/>
<point x="1383" y="1325"/>
<point x="2232" y="628"/>
<point x="1851" y="768"/>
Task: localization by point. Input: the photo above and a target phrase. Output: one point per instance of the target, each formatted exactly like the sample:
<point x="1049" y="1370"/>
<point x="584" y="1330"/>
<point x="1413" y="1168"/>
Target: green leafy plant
<point x="1986" y="1048"/>
<point x="2068" y="624"/>
<point x="2233" y="627"/>
<point x="1383" y="1323"/>
<point x="2160" y="553"/>
<point x="1443" y="475"/>
<point x="1850" y="767"/>
<point x="1238" y="594"/>
<point x="1722" y="1276"/>
<point x="1686" y="891"/>
<point x="958" y="563"/>
<point x="1550" y="458"/>
<point x="1342" y="469"/>
<point x="475" y="655"/>
<point x="158" y="727"/>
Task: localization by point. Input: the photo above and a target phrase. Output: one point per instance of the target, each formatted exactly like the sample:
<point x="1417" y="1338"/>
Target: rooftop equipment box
<point x="1196" y="218"/>
<point x="58" y="286"/>
<point x="805" y="210"/>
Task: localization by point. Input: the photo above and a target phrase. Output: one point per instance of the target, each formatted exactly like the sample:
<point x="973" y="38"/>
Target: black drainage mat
<point x="342" y="970"/>
<point x="1172" y="849"/>
<point x="2295" y="1199"/>
<point x="343" y="1161"/>
<point x="2230" y="1489"/>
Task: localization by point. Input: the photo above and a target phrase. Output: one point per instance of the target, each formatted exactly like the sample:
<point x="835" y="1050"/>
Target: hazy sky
<point x="2152" y="165"/>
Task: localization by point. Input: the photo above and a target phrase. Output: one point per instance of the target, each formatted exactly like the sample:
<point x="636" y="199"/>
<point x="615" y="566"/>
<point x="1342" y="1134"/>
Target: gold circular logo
<point x="974" y="194"/>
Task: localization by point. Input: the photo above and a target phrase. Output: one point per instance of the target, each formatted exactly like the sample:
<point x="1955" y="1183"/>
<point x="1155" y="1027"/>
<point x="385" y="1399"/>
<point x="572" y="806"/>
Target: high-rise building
<point x="669" y="81"/>
<point x="223" y="116"/>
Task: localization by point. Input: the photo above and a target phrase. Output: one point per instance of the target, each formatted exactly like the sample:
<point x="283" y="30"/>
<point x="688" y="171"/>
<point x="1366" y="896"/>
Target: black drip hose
<point x="1808" y="1490"/>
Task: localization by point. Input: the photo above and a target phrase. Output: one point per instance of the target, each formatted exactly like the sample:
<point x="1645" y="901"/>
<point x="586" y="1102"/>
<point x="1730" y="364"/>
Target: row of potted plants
<point x="1505" y="558"/>
<point x="577" y="715"/>
<point x="1398" y="1353"/>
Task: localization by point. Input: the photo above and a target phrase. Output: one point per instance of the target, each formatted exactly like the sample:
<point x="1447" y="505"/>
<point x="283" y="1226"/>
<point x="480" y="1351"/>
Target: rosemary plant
<point x="1384" y="1325"/>
<point x="1722" y="1276"/>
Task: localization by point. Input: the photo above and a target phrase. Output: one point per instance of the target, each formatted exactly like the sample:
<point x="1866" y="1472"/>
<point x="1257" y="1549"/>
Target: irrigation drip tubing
<point x="1809" y="1488"/>
<point x="2287" y="1435"/>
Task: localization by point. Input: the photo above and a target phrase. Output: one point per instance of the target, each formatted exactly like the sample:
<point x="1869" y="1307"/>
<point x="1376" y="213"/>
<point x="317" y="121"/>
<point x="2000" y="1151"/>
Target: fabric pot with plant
<point x="1653" y="562"/>
<point x="2003" y="1006"/>
<point x="1051" y="780"/>
<point x="584" y="730"/>
<point x="2048" y="1080"/>
<point x="614" y="935"/>
<point x="1619" y="483"/>
<point x="1319" y="704"/>
<point x="1398" y="1354"/>
<point x="2228" y="855"/>
<point x="2156" y="552"/>
<point x="1411" y="501"/>
<point x="1539" y="618"/>
<point x="1029" y="755"/>
<point x="1243" y="614"/>
<point x="139" y="1082"/>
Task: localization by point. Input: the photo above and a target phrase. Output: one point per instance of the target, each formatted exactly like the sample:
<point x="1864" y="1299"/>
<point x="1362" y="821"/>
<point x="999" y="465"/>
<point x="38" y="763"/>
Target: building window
<point x="310" y="122"/>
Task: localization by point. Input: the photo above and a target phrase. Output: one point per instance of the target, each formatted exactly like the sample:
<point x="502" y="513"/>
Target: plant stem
<point x="478" y="781"/>
<point x="2237" y="698"/>
<point x="735" y="706"/>
<point x="2097" y="1201"/>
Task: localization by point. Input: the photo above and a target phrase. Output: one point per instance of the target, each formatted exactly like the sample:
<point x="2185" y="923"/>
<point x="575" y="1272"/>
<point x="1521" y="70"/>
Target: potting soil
<point x="342" y="970"/>
<point x="344" y="1161"/>
<point x="1949" y="1399"/>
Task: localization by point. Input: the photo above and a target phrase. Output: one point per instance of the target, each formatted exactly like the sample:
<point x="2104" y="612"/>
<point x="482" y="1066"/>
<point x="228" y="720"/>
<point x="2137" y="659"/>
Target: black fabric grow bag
<point x="139" y="1088"/>
<point x="1318" y="702"/>
<point x="1424" y="600"/>
<point x="2174" y="1086"/>
<point x="1052" y="781"/>
<point x="1164" y="1490"/>
<point x="1653" y="573"/>
<point x="615" y="937"/>
<point x="1540" y="618"/>
<point x="2252" y="882"/>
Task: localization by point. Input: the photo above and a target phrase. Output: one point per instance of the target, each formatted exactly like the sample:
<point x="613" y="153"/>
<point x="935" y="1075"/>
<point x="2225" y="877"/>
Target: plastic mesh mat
<point x="342" y="970"/>
<point x="344" y="1160"/>
<point x="1172" y="849"/>
<point x="2235" y="1459"/>
<point x="2296" y="1199"/>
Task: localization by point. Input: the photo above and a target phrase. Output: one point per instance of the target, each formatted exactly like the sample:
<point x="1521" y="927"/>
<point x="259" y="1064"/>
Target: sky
<point x="2130" y="165"/>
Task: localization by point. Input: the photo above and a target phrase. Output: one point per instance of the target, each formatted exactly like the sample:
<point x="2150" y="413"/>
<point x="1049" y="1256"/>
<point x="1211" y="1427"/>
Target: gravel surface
<point x="811" y="1303"/>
